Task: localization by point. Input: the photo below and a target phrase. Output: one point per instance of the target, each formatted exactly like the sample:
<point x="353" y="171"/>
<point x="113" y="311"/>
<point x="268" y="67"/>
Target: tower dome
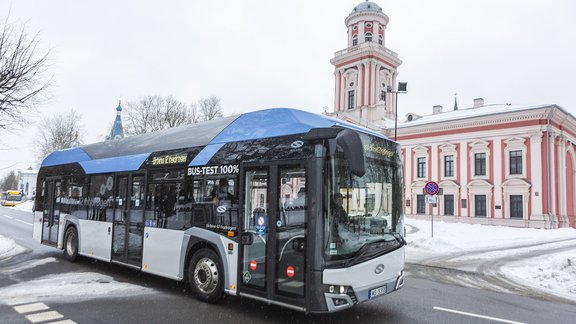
<point x="367" y="6"/>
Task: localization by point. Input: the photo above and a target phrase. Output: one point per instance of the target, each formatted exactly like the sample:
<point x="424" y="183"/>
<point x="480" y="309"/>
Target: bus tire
<point x="205" y="276"/>
<point x="71" y="244"/>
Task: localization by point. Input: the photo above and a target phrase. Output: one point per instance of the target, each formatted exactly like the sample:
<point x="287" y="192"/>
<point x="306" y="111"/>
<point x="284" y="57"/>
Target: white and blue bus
<point x="280" y="205"/>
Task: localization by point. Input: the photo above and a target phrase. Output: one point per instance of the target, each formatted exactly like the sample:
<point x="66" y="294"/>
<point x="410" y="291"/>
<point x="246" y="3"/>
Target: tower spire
<point x="456" y="101"/>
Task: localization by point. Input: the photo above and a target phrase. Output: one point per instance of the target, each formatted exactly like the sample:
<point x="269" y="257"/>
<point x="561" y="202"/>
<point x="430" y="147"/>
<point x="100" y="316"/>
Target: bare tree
<point x="152" y="113"/>
<point x="210" y="108"/>
<point x="195" y="116"/>
<point x="10" y="181"/>
<point x="59" y="132"/>
<point x="23" y="84"/>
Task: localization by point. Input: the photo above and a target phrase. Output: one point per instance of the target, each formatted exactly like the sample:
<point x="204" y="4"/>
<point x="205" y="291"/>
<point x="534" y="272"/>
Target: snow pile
<point x="9" y="248"/>
<point x="75" y="284"/>
<point x="450" y="238"/>
<point x="25" y="206"/>
<point x="553" y="273"/>
<point x="549" y="265"/>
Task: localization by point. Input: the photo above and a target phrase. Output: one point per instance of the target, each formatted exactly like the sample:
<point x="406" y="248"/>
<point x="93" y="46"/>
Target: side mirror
<point x="351" y="143"/>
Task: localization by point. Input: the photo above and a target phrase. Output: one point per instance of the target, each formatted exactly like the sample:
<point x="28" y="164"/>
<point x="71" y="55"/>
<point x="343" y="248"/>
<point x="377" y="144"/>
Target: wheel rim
<point x="71" y="243"/>
<point x="206" y="275"/>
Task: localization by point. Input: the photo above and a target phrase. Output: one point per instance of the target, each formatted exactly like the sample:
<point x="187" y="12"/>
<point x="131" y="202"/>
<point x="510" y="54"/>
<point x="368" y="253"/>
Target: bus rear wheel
<point x="71" y="244"/>
<point x="205" y="276"/>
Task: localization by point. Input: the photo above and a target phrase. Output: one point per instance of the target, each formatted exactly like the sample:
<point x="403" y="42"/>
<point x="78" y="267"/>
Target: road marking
<point x="31" y="308"/>
<point x="477" y="315"/>
<point x="18" y="301"/>
<point x="63" y="322"/>
<point x="21" y="221"/>
<point x="8" y="217"/>
<point x="43" y="317"/>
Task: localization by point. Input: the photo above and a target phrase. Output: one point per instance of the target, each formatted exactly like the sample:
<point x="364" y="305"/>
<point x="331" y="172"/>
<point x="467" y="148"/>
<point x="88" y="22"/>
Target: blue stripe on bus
<point x="115" y="164"/>
<point x="206" y="154"/>
<point x="271" y="123"/>
<point x="70" y="155"/>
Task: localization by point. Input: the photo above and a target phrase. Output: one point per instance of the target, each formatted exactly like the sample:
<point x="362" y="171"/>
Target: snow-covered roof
<point x="485" y="110"/>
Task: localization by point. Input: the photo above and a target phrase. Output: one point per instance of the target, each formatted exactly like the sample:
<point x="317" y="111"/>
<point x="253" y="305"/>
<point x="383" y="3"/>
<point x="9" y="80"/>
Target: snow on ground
<point x="9" y="248"/>
<point x="25" y="206"/>
<point x="554" y="273"/>
<point x="74" y="284"/>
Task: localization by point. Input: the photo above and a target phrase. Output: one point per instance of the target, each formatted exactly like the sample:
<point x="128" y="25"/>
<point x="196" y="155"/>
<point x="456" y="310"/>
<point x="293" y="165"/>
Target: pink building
<point x="499" y="164"/>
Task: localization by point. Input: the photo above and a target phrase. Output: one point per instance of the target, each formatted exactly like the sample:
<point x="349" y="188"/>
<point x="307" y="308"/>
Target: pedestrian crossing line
<point x="29" y="308"/>
<point x="20" y="301"/>
<point x="63" y="322"/>
<point x="44" y="317"/>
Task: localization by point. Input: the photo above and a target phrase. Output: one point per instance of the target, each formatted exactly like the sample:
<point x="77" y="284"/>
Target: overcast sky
<point x="257" y="54"/>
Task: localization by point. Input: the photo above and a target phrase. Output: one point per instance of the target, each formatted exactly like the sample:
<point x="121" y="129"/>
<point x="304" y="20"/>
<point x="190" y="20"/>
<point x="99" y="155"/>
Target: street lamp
<point x="402" y="86"/>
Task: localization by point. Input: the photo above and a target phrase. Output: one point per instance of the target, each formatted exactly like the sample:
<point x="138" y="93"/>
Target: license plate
<point x="377" y="292"/>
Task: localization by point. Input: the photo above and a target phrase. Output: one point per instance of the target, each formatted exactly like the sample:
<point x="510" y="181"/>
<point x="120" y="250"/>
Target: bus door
<point x="51" y="213"/>
<point x="128" y="220"/>
<point x="273" y="234"/>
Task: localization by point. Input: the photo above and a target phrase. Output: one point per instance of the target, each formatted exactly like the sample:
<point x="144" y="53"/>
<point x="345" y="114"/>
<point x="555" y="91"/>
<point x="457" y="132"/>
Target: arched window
<point x="380" y="40"/>
<point x="368" y="37"/>
<point x="354" y="40"/>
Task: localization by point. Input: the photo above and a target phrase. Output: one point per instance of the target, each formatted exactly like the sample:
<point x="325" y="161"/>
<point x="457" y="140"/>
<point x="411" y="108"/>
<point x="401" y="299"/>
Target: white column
<point x="349" y="36"/>
<point x="552" y="167"/>
<point x="359" y="86"/>
<point x="561" y="147"/>
<point x="361" y="37"/>
<point x="498" y="165"/>
<point x="408" y="177"/>
<point x="337" y="75"/>
<point x="343" y="103"/>
<point x="536" y="175"/>
<point x="376" y="83"/>
<point x="365" y="83"/>
<point x="464" y="177"/>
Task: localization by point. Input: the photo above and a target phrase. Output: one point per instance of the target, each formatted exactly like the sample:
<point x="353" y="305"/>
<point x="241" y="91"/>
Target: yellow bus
<point x="11" y="198"/>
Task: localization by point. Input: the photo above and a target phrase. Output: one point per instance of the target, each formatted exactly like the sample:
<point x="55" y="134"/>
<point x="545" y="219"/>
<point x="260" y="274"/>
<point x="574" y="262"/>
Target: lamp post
<point x="402" y="88"/>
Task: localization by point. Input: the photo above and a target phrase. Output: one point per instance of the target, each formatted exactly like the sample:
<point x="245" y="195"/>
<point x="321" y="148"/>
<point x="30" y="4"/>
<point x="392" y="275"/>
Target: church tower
<point x="117" y="129"/>
<point x="365" y="72"/>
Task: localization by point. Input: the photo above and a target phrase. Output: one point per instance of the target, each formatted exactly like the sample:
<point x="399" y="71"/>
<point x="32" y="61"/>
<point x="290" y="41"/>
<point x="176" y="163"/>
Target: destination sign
<point x="169" y="159"/>
<point x="214" y="170"/>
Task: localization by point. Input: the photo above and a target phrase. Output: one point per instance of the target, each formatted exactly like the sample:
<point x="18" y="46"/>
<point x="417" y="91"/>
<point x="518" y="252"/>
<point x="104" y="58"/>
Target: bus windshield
<point x="13" y="196"/>
<point x="363" y="210"/>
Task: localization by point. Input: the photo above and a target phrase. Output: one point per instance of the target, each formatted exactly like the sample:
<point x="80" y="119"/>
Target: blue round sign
<point x="431" y="188"/>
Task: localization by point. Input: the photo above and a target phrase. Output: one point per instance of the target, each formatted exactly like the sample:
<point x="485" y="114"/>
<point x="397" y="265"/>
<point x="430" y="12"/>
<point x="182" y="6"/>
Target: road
<point x="50" y="289"/>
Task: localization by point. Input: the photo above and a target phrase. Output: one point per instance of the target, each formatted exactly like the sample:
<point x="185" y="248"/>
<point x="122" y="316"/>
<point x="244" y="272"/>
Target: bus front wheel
<point x="205" y="276"/>
<point x="71" y="244"/>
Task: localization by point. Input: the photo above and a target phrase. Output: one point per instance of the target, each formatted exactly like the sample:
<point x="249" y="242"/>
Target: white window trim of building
<point x="448" y="149"/>
<point x="351" y="78"/>
<point x="515" y="144"/>
<point x="449" y="188"/>
<point x="479" y="147"/>
<point x="479" y="187"/>
<point x="516" y="187"/>
<point x="420" y="152"/>
<point x="417" y="188"/>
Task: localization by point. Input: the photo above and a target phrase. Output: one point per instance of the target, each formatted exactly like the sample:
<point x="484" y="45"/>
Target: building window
<point x="350" y="99"/>
<point x="355" y="40"/>
<point x="516" y="210"/>
<point x="421" y="167"/>
<point x="449" y="165"/>
<point x="420" y="204"/>
<point x="480" y="205"/>
<point x="448" y="204"/>
<point x="380" y="40"/>
<point x="515" y="162"/>
<point x="480" y="164"/>
<point x="383" y="95"/>
<point x="368" y="37"/>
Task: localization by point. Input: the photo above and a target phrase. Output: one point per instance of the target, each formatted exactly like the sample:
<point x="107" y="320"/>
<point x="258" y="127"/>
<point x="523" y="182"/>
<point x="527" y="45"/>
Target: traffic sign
<point x="431" y="188"/>
<point x="431" y="199"/>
